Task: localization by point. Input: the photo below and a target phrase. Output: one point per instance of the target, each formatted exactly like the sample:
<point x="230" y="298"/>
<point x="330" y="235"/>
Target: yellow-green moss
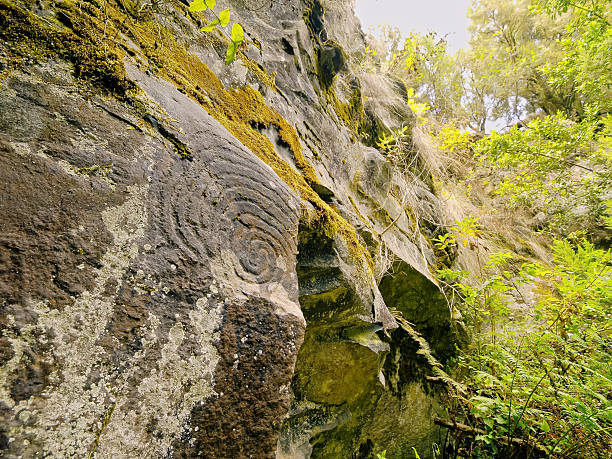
<point x="101" y="170"/>
<point x="241" y="111"/>
<point x="268" y="79"/>
<point x="359" y="214"/>
<point x="383" y="214"/>
<point x="352" y="112"/>
<point x="105" y="421"/>
<point x="82" y="42"/>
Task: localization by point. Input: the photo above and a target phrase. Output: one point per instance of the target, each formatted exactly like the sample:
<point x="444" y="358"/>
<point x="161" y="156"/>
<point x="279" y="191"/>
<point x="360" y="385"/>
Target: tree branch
<point x="473" y="431"/>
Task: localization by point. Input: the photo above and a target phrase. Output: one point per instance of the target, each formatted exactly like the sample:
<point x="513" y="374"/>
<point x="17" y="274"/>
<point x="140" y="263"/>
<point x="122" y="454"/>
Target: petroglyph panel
<point x="114" y="324"/>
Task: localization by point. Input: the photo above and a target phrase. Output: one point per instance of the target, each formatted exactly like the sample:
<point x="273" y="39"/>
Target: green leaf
<point x="230" y="56"/>
<point x="210" y="27"/>
<point x="211" y="3"/>
<point x="197" y="5"/>
<point x="224" y="17"/>
<point x="237" y="33"/>
<point x="545" y="426"/>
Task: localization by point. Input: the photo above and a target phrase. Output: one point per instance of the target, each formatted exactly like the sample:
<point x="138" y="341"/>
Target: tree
<point x="509" y="45"/>
<point x="587" y="46"/>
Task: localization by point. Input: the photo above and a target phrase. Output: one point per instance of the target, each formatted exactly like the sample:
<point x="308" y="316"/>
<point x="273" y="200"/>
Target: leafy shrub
<point x="551" y="383"/>
<point x="236" y="39"/>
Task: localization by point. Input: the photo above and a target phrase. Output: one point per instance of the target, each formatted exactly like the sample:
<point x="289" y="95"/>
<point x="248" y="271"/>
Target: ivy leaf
<point x="224" y="17"/>
<point x="211" y="3"/>
<point x="210" y="27"/>
<point x="230" y="55"/>
<point x="197" y="5"/>
<point x="237" y="33"/>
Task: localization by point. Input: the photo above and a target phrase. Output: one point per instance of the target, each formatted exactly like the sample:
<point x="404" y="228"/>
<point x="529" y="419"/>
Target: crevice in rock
<point x="180" y="147"/>
<point x="287" y="46"/>
<point x="339" y="363"/>
<point x="331" y="59"/>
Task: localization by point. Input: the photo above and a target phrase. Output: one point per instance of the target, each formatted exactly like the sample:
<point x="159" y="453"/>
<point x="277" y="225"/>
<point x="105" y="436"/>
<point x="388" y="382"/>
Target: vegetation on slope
<point x="537" y="368"/>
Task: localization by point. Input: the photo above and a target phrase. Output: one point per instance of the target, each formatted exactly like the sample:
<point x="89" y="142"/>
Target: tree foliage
<point x="544" y="69"/>
<point x="555" y="158"/>
<point x="555" y="166"/>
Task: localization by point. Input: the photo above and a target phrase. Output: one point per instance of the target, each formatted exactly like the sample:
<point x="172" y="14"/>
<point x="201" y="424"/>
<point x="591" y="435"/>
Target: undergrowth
<point x="543" y="378"/>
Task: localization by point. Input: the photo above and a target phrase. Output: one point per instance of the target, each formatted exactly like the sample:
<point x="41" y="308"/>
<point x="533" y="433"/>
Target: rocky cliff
<point x="201" y="260"/>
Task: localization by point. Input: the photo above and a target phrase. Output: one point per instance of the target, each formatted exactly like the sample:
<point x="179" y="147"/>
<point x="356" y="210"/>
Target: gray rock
<point x="185" y="254"/>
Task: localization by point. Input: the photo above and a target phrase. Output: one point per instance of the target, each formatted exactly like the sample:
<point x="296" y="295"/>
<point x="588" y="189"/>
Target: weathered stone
<point x="173" y="229"/>
<point x="122" y="289"/>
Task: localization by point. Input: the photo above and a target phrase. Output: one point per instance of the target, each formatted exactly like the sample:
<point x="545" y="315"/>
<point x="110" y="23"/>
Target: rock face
<point x="190" y="253"/>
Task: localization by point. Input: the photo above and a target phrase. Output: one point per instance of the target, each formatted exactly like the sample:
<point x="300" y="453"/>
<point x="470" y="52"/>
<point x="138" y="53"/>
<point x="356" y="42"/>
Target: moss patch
<point x="268" y="79"/>
<point x="81" y="41"/>
<point x="352" y="112"/>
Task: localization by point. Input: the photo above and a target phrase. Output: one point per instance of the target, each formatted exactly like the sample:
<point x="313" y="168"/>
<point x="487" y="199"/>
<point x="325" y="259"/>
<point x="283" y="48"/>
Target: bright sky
<point x="442" y="16"/>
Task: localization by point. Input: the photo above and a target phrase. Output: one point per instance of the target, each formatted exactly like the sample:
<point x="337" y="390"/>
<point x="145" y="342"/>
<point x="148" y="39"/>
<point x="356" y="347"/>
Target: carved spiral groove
<point x="187" y="222"/>
<point x="235" y="202"/>
<point x="263" y="223"/>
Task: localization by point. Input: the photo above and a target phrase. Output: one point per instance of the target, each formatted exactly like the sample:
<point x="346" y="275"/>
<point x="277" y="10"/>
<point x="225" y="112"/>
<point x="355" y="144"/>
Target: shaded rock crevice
<point x="354" y="377"/>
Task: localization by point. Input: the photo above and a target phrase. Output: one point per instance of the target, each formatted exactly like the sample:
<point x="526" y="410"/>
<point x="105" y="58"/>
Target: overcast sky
<point x="442" y="16"/>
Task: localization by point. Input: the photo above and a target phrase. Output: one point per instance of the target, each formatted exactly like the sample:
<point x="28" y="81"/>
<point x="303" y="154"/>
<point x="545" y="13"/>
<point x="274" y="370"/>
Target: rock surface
<point x="198" y="260"/>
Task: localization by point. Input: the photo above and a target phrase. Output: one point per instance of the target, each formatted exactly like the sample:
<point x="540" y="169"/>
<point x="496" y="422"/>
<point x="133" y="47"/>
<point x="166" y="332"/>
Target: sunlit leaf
<point x="224" y="17"/>
<point x="197" y="5"/>
<point x="237" y="34"/>
<point x="210" y="27"/>
<point x="230" y="55"/>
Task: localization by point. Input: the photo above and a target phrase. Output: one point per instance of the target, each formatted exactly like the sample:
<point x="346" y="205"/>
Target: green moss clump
<point x="80" y="42"/>
<point x="352" y="112"/>
<point x="268" y="79"/>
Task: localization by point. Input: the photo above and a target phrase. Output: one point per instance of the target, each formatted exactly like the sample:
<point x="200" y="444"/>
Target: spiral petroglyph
<point x="263" y="218"/>
<point x="185" y="204"/>
<point x="255" y="209"/>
